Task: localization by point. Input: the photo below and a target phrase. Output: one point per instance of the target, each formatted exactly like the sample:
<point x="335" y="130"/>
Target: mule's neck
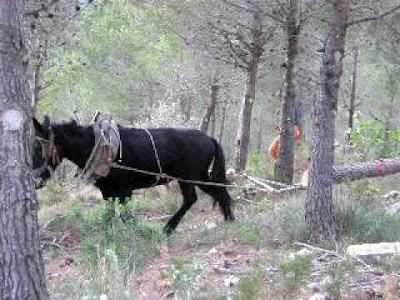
<point x="78" y="147"/>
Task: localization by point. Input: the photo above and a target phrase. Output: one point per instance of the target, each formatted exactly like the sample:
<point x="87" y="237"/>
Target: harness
<point x="105" y="150"/>
<point x="49" y="151"/>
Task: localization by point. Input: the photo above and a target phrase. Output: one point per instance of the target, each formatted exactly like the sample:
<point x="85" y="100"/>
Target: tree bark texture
<point x="321" y="221"/>
<point x="285" y="162"/>
<point x="244" y="127"/>
<point x="382" y="167"/>
<point x="205" y="120"/>
<point x="223" y="121"/>
<point x="352" y="104"/>
<point x="388" y="124"/>
<point x="21" y="265"/>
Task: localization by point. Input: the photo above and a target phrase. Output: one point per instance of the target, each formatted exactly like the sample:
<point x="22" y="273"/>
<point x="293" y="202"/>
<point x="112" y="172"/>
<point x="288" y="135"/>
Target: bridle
<point x="49" y="153"/>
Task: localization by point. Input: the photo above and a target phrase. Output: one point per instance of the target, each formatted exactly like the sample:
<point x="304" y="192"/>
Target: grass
<point x="250" y="287"/>
<point x="112" y="253"/>
<point x="294" y="273"/>
<point x="183" y="274"/>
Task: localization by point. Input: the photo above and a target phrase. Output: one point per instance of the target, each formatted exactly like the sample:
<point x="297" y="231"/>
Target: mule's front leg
<point x="189" y="198"/>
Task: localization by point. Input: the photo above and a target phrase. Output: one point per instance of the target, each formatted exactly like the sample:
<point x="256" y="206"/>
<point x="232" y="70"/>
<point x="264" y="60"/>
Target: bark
<point x="352" y="104"/>
<point x="285" y="162"/>
<point x="223" y="121"/>
<point x="21" y="265"/>
<point x="185" y="106"/>
<point x="213" y="123"/>
<point x="259" y="133"/>
<point x="244" y="127"/>
<point x="388" y="127"/>
<point x="322" y="224"/>
<point x="205" y="120"/>
<point x="359" y="171"/>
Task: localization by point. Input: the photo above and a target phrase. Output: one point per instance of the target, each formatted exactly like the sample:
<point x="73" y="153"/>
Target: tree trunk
<point x="352" y="104"/>
<point x="205" y="120"/>
<point x="285" y="162"/>
<point x="21" y="265"/>
<point x="244" y="128"/>
<point x="382" y="167"/>
<point x="259" y="133"/>
<point x="213" y="123"/>
<point x="388" y="124"/>
<point x="321" y="221"/>
<point x="223" y="121"/>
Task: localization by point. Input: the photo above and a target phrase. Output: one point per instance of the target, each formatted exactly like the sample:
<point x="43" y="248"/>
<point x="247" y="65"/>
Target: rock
<point x="213" y="251"/>
<point x="326" y="282"/>
<point x="318" y="297"/>
<point x="315" y="287"/>
<point x="301" y="253"/>
<point x="392" y="202"/>
<point x="210" y="225"/>
<point x="359" y="294"/>
<point x="373" y="251"/>
<point x="392" y="196"/>
<point x="222" y="270"/>
<point x="231" y="281"/>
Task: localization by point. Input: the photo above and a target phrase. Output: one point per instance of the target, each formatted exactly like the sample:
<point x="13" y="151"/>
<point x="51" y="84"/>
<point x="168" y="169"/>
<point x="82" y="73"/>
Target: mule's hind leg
<point x="189" y="197"/>
<point x="221" y="196"/>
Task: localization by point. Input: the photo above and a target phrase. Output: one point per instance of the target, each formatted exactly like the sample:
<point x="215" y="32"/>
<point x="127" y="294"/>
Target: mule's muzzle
<point x="39" y="183"/>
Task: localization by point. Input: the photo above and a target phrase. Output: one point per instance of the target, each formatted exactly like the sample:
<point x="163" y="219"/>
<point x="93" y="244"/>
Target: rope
<point x="90" y="159"/>
<point x="165" y="176"/>
<point x="155" y="154"/>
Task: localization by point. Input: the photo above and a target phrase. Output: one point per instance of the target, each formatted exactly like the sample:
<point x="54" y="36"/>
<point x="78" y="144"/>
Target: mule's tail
<point x="218" y="172"/>
<point x="218" y="175"/>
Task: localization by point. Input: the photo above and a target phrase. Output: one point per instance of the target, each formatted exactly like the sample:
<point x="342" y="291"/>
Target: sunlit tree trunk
<point x="223" y="121"/>
<point x="244" y="128"/>
<point x="284" y="165"/>
<point x="352" y="104"/>
<point x="210" y="110"/>
<point x="21" y="265"/>
<point x="322" y="224"/>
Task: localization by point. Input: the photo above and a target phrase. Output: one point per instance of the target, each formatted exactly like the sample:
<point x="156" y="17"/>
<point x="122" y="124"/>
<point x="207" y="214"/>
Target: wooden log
<point x="382" y="167"/>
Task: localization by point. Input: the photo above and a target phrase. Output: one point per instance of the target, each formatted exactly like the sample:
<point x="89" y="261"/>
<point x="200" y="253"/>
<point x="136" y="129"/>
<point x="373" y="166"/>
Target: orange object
<point x="275" y="145"/>
<point x="297" y="133"/>
<point x="274" y="148"/>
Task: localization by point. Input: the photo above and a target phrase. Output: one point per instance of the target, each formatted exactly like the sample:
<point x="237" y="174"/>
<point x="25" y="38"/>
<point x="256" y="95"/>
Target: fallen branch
<point x="255" y="180"/>
<point x="54" y="244"/>
<point x="269" y="182"/>
<point x="382" y="167"/>
<point x="314" y="248"/>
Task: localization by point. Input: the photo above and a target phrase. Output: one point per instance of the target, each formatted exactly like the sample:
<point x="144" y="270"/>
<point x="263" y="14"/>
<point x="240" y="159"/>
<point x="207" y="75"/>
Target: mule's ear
<point x="46" y="122"/>
<point x="38" y="127"/>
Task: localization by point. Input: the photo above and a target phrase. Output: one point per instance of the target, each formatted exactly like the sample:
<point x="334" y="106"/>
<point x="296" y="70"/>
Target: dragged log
<point x="381" y="167"/>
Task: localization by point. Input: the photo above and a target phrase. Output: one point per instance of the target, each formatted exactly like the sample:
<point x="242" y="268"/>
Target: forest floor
<point x="262" y="255"/>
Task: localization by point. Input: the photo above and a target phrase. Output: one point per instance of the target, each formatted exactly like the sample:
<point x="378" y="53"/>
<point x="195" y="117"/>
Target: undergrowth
<point x="112" y="252"/>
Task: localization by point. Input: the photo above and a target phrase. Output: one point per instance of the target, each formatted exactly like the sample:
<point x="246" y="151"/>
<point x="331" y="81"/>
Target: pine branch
<point x="374" y="18"/>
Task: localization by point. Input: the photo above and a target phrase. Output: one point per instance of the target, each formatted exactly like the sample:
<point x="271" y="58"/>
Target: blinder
<point x="50" y="157"/>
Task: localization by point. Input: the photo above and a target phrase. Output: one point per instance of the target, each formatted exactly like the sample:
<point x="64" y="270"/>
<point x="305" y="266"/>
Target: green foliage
<point x="257" y="166"/>
<point x="365" y="222"/>
<point x="289" y="224"/>
<point x="112" y="251"/>
<point x="368" y="139"/>
<point x="115" y="53"/>
<point x="182" y="274"/>
<point x="249" y="287"/>
<point x="294" y="273"/>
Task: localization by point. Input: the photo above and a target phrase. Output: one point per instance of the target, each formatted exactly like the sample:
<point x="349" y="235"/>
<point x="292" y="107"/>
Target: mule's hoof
<point x="168" y="230"/>
<point x="230" y="218"/>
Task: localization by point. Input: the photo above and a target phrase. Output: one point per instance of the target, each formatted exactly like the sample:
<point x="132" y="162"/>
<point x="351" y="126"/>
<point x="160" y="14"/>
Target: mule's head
<point x="45" y="155"/>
